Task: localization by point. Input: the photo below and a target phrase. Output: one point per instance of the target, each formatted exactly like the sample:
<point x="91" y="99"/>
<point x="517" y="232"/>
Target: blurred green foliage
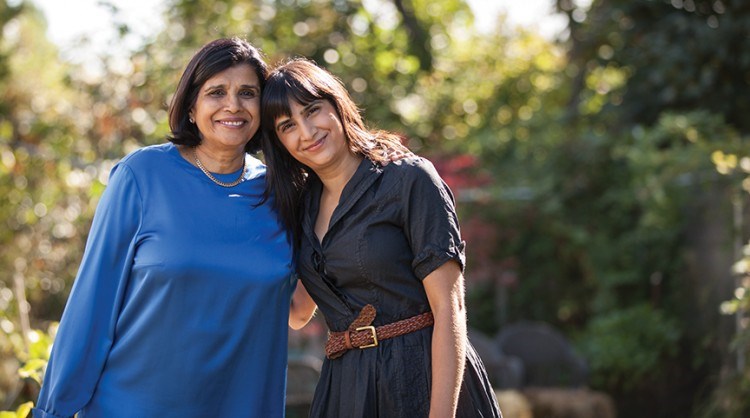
<point x="628" y="346"/>
<point x="578" y="164"/>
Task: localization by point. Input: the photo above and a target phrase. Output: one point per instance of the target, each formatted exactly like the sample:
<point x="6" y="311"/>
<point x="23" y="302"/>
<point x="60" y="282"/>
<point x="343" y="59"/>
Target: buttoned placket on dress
<point x="353" y="191"/>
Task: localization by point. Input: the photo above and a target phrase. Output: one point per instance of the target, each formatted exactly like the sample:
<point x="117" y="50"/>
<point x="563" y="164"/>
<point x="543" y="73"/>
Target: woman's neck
<point x="217" y="161"/>
<point x="335" y="179"/>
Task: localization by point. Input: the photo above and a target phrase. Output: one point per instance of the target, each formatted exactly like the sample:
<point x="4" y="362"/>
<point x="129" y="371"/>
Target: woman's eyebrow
<point x="309" y="105"/>
<point x="281" y="120"/>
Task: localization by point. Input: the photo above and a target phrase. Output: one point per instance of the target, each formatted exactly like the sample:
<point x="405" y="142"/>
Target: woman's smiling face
<point x="227" y="109"/>
<point x="313" y="134"/>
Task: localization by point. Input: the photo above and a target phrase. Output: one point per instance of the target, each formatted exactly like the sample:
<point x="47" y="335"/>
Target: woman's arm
<point x="86" y="330"/>
<point x="445" y="292"/>
<point x="302" y="308"/>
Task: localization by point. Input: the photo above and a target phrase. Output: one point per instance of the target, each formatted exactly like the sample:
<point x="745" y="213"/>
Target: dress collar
<point x="367" y="173"/>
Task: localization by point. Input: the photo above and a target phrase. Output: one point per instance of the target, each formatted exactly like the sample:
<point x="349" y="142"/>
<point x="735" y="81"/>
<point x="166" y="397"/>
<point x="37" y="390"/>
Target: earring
<point x="191" y="120"/>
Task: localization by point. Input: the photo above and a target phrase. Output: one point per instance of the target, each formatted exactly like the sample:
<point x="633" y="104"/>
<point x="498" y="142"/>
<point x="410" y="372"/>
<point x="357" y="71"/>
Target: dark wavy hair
<point x="213" y="58"/>
<point x="302" y="81"/>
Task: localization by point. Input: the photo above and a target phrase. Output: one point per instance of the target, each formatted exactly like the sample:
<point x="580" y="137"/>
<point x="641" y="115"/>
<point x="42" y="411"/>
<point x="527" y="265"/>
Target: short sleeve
<point x="86" y="329"/>
<point x="430" y="219"/>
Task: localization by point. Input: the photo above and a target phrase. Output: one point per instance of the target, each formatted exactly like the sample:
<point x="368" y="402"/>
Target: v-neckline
<point x="333" y="205"/>
<point x="354" y="189"/>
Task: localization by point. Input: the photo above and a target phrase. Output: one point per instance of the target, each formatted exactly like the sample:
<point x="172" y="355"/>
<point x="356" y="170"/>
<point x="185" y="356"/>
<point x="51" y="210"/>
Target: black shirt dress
<point x="393" y="226"/>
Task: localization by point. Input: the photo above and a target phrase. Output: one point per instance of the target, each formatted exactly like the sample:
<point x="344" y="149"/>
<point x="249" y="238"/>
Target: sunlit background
<point x="70" y="20"/>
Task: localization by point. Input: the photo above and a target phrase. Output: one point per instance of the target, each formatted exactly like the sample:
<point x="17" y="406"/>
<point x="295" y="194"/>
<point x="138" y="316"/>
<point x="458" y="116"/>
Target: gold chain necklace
<point x="214" y="179"/>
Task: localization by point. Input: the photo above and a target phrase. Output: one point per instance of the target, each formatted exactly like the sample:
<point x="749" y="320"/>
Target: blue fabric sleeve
<point x="87" y="326"/>
<point x="431" y="223"/>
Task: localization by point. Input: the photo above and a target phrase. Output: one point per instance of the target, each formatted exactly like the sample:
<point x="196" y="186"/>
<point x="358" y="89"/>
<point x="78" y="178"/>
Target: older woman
<point x="379" y="252"/>
<point x="181" y="302"/>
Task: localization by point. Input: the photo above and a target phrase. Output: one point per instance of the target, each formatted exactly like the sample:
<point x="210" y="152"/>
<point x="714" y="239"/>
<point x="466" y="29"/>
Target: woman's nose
<point x="307" y="130"/>
<point x="232" y="103"/>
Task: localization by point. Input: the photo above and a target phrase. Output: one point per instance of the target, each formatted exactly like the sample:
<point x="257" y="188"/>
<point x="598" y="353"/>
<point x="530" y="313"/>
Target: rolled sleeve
<point x="431" y="220"/>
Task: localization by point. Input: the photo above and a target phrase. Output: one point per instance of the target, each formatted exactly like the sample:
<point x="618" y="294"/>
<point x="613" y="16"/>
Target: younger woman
<point x="379" y="252"/>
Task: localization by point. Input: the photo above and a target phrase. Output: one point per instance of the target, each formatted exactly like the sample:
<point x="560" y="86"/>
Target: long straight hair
<point x="302" y="81"/>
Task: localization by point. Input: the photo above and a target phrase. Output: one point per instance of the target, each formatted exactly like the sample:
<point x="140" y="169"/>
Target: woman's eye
<point x="216" y="93"/>
<point x="249" y="93"/>
<point x="313" y="110"/>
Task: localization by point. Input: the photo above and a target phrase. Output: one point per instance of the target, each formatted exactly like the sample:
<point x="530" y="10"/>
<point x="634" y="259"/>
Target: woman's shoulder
<point x="411" y="168"/>
<point x="149" y="155"/>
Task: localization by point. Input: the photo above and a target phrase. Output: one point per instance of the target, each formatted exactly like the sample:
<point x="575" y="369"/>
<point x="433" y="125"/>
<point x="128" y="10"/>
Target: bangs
<point x="281" y="88"/>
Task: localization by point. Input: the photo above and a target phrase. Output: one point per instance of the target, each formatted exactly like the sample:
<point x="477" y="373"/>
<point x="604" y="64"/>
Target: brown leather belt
<point x="361" y="334"/>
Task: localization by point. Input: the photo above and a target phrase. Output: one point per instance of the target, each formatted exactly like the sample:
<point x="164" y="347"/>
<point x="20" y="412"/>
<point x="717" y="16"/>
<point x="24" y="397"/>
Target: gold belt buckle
<point x="374" y="336"/>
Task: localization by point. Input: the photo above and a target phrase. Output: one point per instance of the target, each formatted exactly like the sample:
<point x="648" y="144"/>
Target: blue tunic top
<point x="181" y="304"/>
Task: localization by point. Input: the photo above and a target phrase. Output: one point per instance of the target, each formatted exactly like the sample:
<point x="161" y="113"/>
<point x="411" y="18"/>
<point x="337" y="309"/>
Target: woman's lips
<point x="315" y="145"/>
<point x="232" y="123"/>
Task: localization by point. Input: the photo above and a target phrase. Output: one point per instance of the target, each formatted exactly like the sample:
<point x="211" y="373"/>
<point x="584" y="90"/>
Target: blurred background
<point x="598" y="150"/>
